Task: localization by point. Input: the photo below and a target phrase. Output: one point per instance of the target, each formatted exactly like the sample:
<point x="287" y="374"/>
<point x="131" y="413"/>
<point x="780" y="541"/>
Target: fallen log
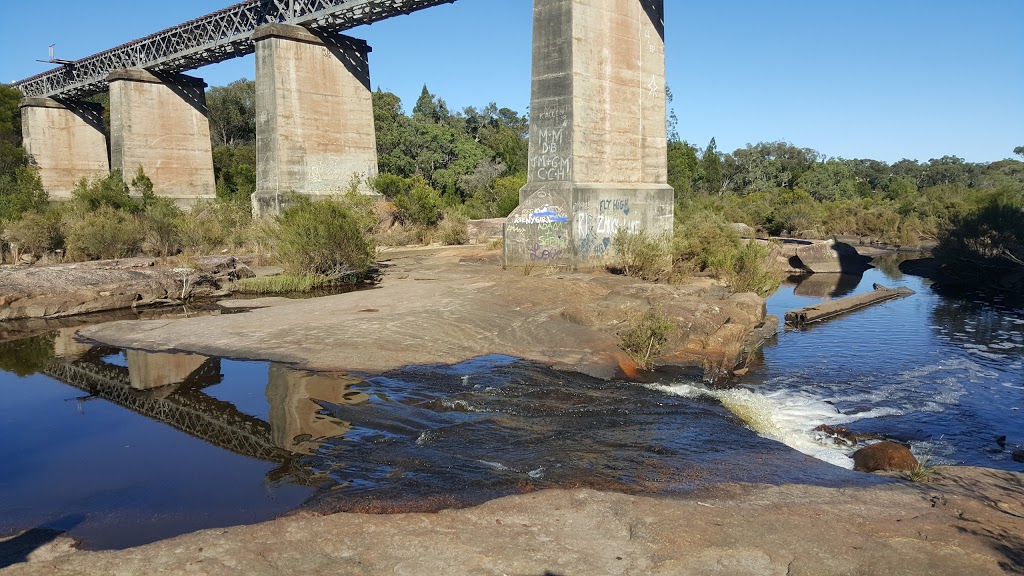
<point x="833" y="308"/>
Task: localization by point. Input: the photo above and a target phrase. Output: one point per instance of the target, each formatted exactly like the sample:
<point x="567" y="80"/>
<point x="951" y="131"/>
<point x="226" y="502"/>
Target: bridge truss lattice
<point x="216" y="37"/>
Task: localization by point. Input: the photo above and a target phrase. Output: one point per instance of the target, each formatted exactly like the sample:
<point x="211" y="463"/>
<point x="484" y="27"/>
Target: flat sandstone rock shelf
<point x="449" y="306"/>
<point x="966" y="521"/>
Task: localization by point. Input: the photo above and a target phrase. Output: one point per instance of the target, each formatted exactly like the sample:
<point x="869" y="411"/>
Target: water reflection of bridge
<point x="170" y="388"/>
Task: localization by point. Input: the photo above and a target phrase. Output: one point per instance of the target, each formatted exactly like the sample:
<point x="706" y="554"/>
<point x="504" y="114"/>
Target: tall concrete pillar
<point x="160" y="123"/>
<point x="597" y="133"/>
<point x="314" y="115"/>
<point x="66" y="141"/>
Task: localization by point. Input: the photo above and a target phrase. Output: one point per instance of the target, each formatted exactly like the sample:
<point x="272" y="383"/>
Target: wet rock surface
<point x="966" y="521"/>
<point x="450" y="305"/>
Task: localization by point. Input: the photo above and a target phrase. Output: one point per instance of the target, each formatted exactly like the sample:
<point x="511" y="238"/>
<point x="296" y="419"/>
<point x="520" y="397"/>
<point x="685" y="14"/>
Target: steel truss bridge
<point x="220" y="36"/>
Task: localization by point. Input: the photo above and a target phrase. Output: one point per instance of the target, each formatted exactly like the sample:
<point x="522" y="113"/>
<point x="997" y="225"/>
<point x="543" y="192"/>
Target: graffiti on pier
<point x="550" y="155"/>
<point x="595" y="229"/>
<point x="543" y="254"/>
<point x="544" y="215"/>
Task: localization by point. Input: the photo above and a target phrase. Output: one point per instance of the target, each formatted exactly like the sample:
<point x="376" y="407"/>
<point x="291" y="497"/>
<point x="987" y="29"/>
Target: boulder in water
<point x="831" y="257"/>
<point x="884" y="456"/>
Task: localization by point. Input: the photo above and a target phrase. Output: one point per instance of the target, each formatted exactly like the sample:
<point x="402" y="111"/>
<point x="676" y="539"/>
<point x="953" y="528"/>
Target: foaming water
<point x="787" y="417"/>
<point x="942" y="374"/>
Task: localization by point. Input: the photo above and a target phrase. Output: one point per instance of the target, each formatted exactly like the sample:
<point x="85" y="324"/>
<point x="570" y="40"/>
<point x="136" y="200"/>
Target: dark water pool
<point x="124" y="447"/>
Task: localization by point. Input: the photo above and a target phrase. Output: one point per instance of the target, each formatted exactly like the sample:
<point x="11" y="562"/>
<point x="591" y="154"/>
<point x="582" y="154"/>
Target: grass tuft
<point x="646" y="336"/>
<point x="282" y="284"/>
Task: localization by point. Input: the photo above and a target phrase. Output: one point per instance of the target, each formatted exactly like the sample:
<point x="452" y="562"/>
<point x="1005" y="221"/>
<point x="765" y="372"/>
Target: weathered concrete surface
<point x="454" y="304"/>
<point x="967" y="521"/>
<point x="597" y="134"/>
<point x="314" y="114"/>
<point x="160" y="123"/>
<point x="66" y="141"/>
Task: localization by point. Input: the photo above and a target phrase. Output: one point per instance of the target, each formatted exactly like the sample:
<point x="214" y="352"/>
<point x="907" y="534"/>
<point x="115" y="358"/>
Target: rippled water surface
<point x="944" y="374"/>
<point x="123" y="447"/>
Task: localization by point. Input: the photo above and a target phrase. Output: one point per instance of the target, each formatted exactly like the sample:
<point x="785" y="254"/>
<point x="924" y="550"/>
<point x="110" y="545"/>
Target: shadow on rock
<point x="17" y="549"/>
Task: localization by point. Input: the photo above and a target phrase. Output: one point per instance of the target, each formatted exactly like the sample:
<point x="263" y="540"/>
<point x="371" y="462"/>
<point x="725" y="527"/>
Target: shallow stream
<point x="121" y="447"/>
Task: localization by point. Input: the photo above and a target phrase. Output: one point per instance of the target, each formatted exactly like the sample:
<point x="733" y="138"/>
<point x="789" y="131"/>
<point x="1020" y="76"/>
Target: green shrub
<point x="641" y="255"/>
<point x="160" y="220"/>
<point x="104" y="233"/>
<point x="21" y="191"/>
<point x="108" y="191"/>
<point x="704" y="242"/>
<point x="35" y="232"/>
<point x="751" y="270"/>
<point x="200" y="230"/>
<point x="390" y="185"/>
<point x="325" y="237"/>
<point x="454" y="228"/>
<point x="142" y="185"/>
<point x="646" y="336"/>
<point x="422" y="204"/>
<point x="212" y="225"/>
<point x="982" y="246"/>
<point x="498" y="200"/>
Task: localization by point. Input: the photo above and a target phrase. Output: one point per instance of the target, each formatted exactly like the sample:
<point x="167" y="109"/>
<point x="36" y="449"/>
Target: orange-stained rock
<point x="884" y="456"/>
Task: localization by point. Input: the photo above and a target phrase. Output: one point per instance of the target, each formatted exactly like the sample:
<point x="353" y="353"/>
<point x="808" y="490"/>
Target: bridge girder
<point x="213" y="38"/>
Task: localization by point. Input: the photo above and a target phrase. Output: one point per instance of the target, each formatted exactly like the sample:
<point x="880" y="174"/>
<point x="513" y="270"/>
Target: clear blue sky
<point x="884" y="79"/>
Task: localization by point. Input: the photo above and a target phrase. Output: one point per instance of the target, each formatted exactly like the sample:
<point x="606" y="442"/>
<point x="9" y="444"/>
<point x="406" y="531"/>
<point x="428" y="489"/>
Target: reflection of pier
<point x="170" y="388"/>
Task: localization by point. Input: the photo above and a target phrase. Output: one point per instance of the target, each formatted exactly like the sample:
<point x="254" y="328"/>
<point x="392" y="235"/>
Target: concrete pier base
<point x="597" y="134"/>
<point x="314" y="126"/>
<point x="161" y="124"/>
<point x="66" y="141"/>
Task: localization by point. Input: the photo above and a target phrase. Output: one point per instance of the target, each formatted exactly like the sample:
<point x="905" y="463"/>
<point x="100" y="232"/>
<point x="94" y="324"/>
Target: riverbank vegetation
<point x="439" y="168"/>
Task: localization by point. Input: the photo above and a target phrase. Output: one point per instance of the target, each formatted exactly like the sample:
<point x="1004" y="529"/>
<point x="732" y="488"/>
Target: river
<point x="120" y="448"/>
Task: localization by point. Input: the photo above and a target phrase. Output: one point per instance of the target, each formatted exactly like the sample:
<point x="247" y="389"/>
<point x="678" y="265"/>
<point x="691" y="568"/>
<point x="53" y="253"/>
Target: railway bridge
<point x="597" y="157"/>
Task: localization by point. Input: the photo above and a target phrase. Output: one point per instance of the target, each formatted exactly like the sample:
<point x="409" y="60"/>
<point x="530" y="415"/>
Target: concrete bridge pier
<point x="314" y="115"/>
<point x="67" y="142"/>
<point x="597" y="133"/>
<point x="160" y="123"/>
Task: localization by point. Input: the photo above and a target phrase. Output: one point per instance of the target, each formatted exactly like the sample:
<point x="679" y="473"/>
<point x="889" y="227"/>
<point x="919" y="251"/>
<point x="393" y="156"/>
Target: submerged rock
<point x="838" y="434"/>
<point x="884" y="456"/>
